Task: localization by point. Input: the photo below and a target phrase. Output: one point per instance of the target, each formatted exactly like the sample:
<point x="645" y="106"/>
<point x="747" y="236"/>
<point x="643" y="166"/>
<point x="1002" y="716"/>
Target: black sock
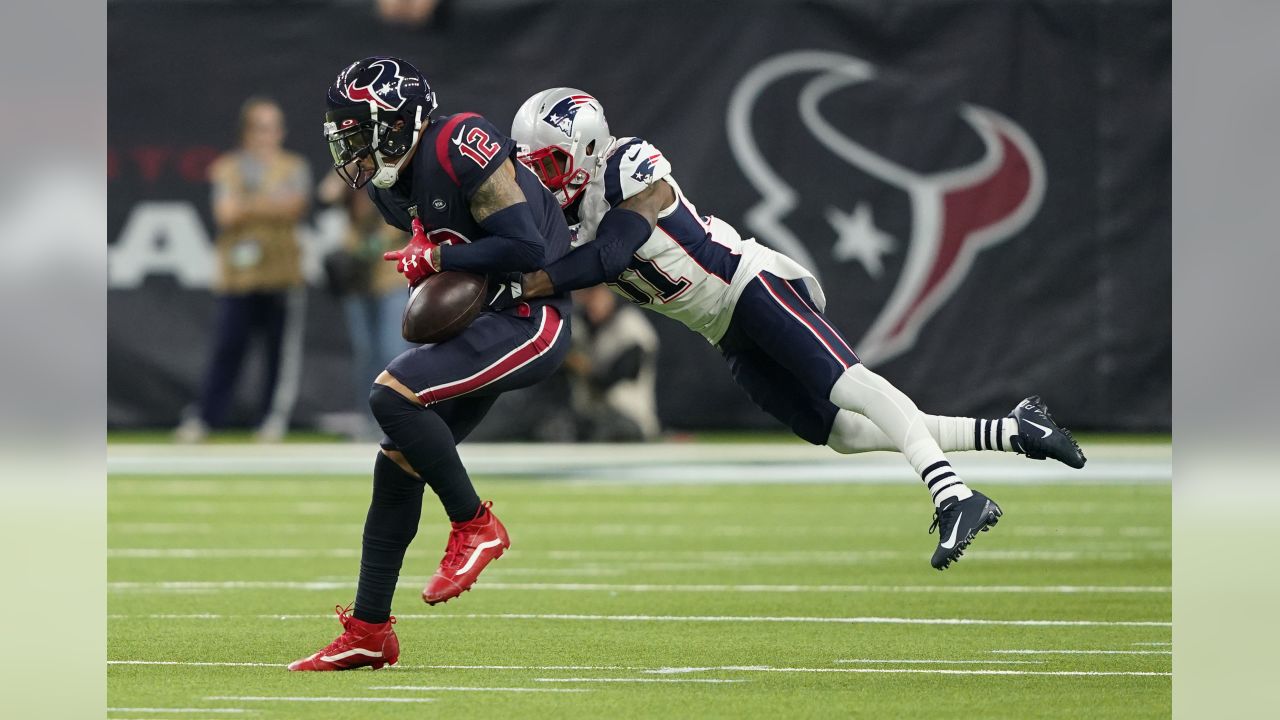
<point x="388" y="529"/>
<point x="427" y="443"/>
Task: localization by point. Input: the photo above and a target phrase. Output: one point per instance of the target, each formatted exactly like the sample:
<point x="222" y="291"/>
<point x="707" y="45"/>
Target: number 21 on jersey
<point x="665" y="288"/>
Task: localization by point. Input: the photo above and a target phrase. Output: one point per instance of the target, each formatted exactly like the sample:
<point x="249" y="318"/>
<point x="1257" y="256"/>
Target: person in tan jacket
<point x="260" y="192"/>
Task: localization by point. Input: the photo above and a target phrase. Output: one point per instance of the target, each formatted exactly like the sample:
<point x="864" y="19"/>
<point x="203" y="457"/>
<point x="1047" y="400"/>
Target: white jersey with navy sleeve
<point x="693" y="267"/>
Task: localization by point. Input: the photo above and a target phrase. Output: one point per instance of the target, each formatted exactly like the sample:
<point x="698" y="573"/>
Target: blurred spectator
<point x="373" y="294"/>
<point x="612" y="370"/>
<point x="260" y="192"/>
<point x="411" y="13"/>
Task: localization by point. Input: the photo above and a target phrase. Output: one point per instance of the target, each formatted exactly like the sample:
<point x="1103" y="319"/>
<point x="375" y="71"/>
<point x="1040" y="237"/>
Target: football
<point x="442" y="306"/>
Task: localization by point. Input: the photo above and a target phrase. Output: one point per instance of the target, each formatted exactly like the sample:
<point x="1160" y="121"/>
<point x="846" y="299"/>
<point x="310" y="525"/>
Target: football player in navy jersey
<point x="453" y="183"/>
<point x="635" y="229"/>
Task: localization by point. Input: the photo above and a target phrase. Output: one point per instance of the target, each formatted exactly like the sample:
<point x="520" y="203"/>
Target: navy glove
<point x="506" y="290"/>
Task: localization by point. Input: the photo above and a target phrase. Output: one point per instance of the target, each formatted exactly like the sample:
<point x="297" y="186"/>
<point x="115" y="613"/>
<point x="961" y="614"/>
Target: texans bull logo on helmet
<point x="381" y="83"/>
<point x="915" y="234"/>
<point x="561" y="115"/>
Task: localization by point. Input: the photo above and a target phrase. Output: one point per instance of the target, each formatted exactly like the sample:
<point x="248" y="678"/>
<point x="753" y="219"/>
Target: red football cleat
<point x="361" y="644"/>
<point x="472" y="545"/>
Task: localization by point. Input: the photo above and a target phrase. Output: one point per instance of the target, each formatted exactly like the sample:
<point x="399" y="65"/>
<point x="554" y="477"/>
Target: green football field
<point x="644" y="597"/>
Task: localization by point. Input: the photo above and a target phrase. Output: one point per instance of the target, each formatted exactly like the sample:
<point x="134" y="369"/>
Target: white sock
<point x="861" y="391"/>
<point x="853" y="433"/>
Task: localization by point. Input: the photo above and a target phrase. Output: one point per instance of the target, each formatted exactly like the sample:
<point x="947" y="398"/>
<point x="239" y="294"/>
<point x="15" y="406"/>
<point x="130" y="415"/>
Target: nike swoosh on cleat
<point x="352" y="651"/>
<point x="1047" y="431"/>
<point x="951" y="541"/>
<point x="475" y="555"/>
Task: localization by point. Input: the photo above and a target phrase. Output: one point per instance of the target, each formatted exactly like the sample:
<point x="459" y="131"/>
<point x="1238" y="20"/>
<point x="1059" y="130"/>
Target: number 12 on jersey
<point x="477" y="146"/>
<point x="665" y="288"/>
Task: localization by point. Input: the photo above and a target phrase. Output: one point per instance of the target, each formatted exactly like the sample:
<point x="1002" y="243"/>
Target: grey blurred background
<point x="987" y="206"/>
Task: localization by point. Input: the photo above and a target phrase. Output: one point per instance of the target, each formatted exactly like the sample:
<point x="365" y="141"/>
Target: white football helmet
<point x="563" y="137"/>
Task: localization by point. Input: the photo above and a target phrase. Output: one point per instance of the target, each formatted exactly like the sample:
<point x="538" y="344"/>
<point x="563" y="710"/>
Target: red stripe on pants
<point x="522" y="355"/>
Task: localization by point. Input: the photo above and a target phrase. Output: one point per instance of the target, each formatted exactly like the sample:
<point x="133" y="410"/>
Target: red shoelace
<point x="348" y="633"/>
<point x="458" y="546"/>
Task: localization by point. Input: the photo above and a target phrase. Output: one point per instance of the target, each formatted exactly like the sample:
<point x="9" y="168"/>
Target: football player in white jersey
<point x="638" y="232"/>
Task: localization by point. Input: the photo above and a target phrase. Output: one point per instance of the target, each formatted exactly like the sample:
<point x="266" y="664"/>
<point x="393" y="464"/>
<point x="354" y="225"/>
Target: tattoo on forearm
<point x="500" y="191"/>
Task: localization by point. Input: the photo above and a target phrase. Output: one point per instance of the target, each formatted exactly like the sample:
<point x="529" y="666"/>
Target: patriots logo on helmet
<point x="562" y="113"/>
<point x="383" y="89"/>
<point x="644" y="171"/>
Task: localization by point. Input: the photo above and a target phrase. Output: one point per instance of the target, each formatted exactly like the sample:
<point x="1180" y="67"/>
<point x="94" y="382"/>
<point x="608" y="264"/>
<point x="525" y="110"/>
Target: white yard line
<point x="941" y="671"/>
<point x="228" y="553"/>
<point x="263" y="698"/>
<point x="528" y="667"/>
<point x="807" y="619"/>
<point x="676" y="463"/>
<point x="178" y="710"/>
<point x="715" y="588"/>
<point x="281" y="665"/>
<point x="697" y="618"/>
<point x="638" y="680"/>
<point x="478" y="689"/>
<point x="1083" y="652"/>
<point x="769" y="668"/>
<point x="870" y="661"/>
<point x="1099" y="551"/>
<point x="781" y="557"/>
<point x="179" y="585"/>
<point x="650" y="671"/>
<point x="654" y="560"/>
<point x="169" y="616"/>
<point x="195" y="664"/>
<point x="327" y="585"/>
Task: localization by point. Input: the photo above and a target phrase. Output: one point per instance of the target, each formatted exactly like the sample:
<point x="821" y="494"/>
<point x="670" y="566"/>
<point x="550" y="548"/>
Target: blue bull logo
<point x="956" y="212"/>
<point x="382" y="89"/>
<point x="563" y="113"/>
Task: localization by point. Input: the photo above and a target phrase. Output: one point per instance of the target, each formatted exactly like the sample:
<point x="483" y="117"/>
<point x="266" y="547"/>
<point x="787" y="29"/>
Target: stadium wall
<point x="982" y="187"/>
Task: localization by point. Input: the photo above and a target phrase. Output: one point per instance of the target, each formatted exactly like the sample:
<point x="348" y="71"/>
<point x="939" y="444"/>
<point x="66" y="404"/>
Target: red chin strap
<point x="554" y="167"/>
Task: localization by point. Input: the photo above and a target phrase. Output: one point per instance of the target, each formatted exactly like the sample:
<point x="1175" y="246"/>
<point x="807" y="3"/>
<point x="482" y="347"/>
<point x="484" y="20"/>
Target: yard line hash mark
<point x="943" y="662"/>
<point x="714" y="618"/>
<point x="177" y="710"/>
<point x="264" y="698"/>
<point x="325" y="585"/>
<point x="708" y="681"/>
<point x="1083" y="652"/>
<point x="479" y="689"/>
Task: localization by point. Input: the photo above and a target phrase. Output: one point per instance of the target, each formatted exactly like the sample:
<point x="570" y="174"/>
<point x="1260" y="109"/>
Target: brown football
<point x="442" y="306"/>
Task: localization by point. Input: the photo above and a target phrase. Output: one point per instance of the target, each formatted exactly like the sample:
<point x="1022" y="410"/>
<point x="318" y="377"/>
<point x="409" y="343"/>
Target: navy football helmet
<point x="377" y="109"/>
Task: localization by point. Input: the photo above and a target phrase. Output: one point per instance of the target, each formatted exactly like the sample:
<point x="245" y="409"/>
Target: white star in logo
<point x="859" y="239"/>
<point x="386" y="88"/>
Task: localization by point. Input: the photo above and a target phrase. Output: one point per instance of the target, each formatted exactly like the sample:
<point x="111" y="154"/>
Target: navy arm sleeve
<point x="620" y="234"/>
<point x="514" y="243"/>
<point x="471" y="154"/>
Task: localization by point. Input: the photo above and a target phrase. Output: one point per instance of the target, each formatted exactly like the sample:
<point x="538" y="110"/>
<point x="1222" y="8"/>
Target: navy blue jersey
<point x="455" y="155"/>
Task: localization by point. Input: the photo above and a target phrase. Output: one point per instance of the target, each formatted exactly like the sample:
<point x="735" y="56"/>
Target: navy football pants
<point x="785" y="354"/>
<point x="461" y="377"/>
